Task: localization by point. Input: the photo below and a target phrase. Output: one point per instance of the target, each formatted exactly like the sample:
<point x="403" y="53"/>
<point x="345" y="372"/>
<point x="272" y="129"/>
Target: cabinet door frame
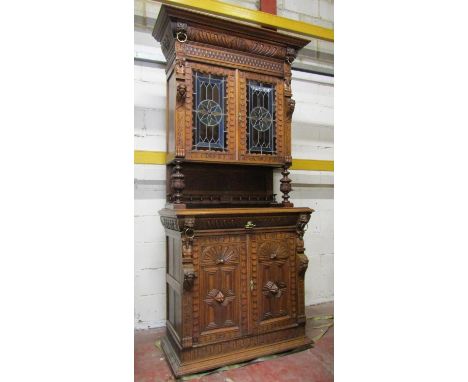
<point x="257" y="261"/>
<point x="232" y="248"/>
<point x="244" y="155"/>
<point x="230" y="122"/>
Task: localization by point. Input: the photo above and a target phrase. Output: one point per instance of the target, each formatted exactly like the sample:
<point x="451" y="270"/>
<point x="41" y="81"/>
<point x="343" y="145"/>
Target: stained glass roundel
<point x="209" y="112"/>
<point x="260" y="118"/>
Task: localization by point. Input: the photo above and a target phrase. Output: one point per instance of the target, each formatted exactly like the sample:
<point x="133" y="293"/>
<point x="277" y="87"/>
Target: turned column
<point x="285" y="187"/>
<point x="177" y="184"/>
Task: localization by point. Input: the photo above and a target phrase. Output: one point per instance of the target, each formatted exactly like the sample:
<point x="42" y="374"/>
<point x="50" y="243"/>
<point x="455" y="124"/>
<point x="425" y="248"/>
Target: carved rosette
<point x="217" y="297"/>
<point x="274" y="289"/>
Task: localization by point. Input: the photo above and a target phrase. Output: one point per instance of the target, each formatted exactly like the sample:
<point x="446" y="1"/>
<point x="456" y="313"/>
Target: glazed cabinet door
<point x="261" y="119"/>
<point x="222" y="288"/>
<point x="209" y="113"/>
<point x="273" y="280"/>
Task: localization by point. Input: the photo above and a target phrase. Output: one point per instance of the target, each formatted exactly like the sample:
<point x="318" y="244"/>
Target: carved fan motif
<point x="273" y="250"/>
<point x="220" y="254"/>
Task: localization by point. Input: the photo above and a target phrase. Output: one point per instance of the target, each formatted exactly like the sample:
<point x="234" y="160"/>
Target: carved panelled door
<point x="219" y="309"/>
<point x="273" y="280"/>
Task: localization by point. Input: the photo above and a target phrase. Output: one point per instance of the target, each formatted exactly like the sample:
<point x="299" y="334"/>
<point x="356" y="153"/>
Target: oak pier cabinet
<point x="235" y="255"/>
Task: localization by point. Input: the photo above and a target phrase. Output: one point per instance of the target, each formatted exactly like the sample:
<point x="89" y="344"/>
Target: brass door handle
<point x="250" y="225"/>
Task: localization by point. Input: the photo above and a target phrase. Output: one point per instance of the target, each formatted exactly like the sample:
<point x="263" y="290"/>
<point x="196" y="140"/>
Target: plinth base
<point x="180" y="368"/>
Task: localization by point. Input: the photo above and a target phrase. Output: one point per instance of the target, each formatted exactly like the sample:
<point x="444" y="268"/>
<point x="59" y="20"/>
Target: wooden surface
<point x="239" y="53"/>
<point x="233" y="292"/>
<point x="235" y="255"/>
<point x="234" y="211"/>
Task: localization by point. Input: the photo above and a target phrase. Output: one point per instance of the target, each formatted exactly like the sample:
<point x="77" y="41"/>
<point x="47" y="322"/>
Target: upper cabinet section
<point x="228" y="89"/>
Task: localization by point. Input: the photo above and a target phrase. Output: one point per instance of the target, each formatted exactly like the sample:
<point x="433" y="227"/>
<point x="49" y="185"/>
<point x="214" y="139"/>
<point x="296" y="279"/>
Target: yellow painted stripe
<point x="257" y="17"/>
<point x="159" y="157"/>
<point x="149" y="157"/>
<point x="313" y="165"/>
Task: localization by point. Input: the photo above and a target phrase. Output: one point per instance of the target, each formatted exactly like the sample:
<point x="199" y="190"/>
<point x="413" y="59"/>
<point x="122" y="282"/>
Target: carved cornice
<point x="228" y="41"/>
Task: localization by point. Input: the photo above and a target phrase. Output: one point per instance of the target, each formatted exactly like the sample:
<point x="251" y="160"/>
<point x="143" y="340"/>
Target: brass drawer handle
<point x="250" y="225"/>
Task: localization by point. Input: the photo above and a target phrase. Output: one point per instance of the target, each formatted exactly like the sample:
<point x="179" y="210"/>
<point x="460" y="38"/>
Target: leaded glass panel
<point x="209" y="112"/>
<point x="261" y="116"/>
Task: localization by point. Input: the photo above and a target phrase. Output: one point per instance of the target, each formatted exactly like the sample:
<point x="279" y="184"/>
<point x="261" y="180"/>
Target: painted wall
<point x="312" y="139"/>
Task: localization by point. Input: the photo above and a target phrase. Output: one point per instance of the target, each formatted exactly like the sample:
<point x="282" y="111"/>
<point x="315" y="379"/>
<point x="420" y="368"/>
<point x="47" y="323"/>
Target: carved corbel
<point x="303" y="264"/>
<point x="180" y="66"/>
<point x="189" y="278"/>
<point x="187" y="236"/>
<point x="290" y="106"/>
<point x="287" y="85"/>
<point x="301" y="225"/>
<point x="187" y="241"/>
<point x="290" y="55"/>
<point x="181" y="92"/>
<point x="302" y="260"/>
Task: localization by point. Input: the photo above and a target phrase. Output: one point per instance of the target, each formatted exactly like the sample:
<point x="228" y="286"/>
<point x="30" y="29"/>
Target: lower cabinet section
<point x="233" y="294"/>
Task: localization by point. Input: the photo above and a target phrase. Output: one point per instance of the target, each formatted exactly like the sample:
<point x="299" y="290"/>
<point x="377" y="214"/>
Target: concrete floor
<point x="311" y="365"/>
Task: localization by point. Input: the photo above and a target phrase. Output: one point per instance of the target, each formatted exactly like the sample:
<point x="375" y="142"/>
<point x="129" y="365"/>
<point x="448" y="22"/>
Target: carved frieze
<point x="230" y="222"/>
<point x="207" y="54"/>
